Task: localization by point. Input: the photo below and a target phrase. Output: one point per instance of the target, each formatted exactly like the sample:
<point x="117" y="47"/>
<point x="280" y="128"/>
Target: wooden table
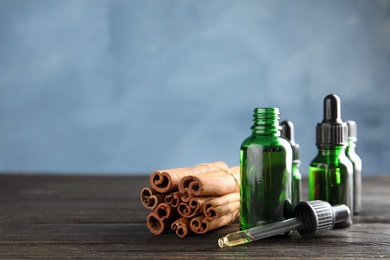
<point x="48" y="216"/>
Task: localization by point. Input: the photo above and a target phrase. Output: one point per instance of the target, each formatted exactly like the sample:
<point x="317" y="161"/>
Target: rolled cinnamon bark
<point x="201" y="224"/>
<point x="214" y="183"/>
<point x="194" y="207"/>
<point x="173" y="199"/>
<point x="151" y="198"/>
<point x="157" y="225"/>
<point x="217" y="212"/>
<point x="182" y="227"/>
<point x="165" y="211"/>
<point x="168" y="180"/>
<point x="186" y="195"/>
<point x="210" y="193"/>
<point x="220" y="206"/>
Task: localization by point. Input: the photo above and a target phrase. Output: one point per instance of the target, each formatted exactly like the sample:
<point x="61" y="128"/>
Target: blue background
<point x="128" y="87"/>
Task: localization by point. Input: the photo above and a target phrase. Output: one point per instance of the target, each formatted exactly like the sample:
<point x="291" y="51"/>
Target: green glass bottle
<point x="265" y="165"/>
<point x="357" y="166"/>
<point x="330" y="172"/>
<point x="288" y="132"/>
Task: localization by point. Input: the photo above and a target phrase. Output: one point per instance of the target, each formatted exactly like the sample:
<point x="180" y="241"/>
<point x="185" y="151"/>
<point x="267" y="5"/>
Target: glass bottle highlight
<point x="357" y="166"/>
<point x="265" y="166"/>
<point x="288" y="132"/>
<point x="330" y="172"/>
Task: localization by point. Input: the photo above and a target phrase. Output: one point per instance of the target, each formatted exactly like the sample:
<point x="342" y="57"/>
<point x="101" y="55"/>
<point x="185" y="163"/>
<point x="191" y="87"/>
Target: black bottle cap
<point x="352" y="130"/>
<point x="332" y="131"/>
<point x="288" y="132"/>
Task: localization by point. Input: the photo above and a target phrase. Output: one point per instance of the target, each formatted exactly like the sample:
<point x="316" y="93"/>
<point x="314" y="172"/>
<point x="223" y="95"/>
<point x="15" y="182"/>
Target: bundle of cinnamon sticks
<point x="192" y="199"/>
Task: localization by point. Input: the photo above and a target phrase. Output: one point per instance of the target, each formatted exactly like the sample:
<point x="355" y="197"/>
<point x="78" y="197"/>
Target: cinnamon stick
<point x="217" y="212"/>
<point x="182" y="227"/>
<point x="165" y="211"/>
<point x="186" y="195"/>
<point x="173" y="199"/>
<point x="168" y="180"/>
<point x="151" y="198"/>
<point x="201" y="224"/>
<point x="194" y="207"/>
<point x="157" y="225"/>
<point x="220" y="206"/>
<point x="214" y="183"/>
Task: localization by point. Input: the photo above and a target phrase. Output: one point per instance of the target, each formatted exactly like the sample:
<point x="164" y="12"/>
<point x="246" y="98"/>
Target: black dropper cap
<point x="288" y="132"/>
<point x="332" y="131"/>
<point x="352" y="130"/>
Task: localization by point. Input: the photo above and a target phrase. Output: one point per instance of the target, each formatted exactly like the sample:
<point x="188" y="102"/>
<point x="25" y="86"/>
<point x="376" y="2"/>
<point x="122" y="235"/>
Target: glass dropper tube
<point x="259" y="232"/>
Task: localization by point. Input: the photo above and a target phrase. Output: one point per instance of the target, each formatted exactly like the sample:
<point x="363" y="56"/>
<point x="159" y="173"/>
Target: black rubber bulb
<point x="332" y="130"/>
<point x="332" y="110"/>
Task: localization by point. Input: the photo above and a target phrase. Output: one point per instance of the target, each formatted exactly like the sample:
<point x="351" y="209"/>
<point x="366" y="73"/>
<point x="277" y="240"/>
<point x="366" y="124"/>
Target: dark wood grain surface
<point x="59" y="217"/>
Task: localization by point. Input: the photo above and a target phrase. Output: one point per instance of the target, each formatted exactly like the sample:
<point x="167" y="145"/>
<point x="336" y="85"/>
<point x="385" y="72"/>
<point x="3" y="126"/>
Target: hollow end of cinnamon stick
<point x="181" y="226"/>
<point x="169" y="180"/>
<point x="155" y="225"/>
<point x="219" y="182"/>
<point x="198" y="226"/>
<point x="165" y="211"/>
<point x="162" y="212"/>
<point x="150" y="198"/>
<point x="181" y="231"/>
<point x="186" y="195"/>
<point x="212" y="213"/>
<point x="173" y="199"/>
<point x="195" y="188"/>
<point x="201" y="224"/>
<point x="184" y="209"/>
<point x="184" y="183"/>
<point x="161" y="181"/>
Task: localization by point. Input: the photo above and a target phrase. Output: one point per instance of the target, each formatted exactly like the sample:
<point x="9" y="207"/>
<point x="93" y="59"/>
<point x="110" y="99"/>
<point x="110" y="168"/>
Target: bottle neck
<point x="332" y="150"/>
<point x="296" y="163"/>
<point x="266" y="121"/>
<point x="351" y="147"/>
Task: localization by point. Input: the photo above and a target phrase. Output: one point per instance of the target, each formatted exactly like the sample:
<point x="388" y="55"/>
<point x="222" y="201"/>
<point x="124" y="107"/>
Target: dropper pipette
<point x="311" y="218"/>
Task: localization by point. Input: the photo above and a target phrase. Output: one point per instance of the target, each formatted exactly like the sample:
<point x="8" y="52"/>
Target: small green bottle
<point x="265" y="166"/>
<point x="330" y="172"/>
<point x="357" y="167"/>
<point x="288" y="132"/>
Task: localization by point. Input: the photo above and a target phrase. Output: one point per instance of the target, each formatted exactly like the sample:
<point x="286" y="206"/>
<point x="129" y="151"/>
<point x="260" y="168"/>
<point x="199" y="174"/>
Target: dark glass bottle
<point x="330" y="172"/>
<point x="357" y="166"/>
<point x="288" y="132"/>
<point x="265" y="165"/>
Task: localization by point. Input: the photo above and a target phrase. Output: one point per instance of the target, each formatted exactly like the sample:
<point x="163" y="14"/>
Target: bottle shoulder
<point x="266" y="141"/>
<point x="355" y="159"/>
<point x="332" y="159"/>
<point x="350" y="152"/>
